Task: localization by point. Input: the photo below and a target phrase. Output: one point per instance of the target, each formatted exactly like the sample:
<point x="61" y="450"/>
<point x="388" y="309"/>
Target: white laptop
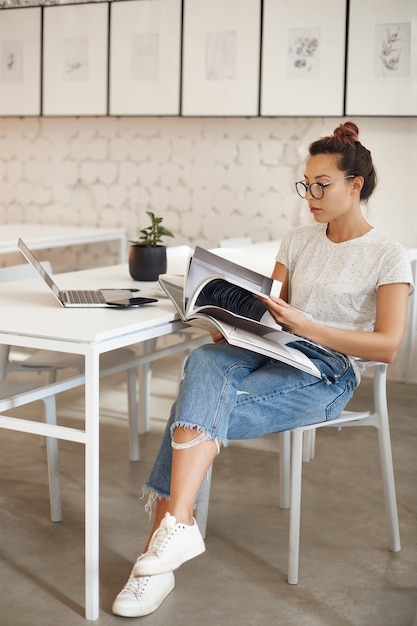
<point x="77" y="298"/>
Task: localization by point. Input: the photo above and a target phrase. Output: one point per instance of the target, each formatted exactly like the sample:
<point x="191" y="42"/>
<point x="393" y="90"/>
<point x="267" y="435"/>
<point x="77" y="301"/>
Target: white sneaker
<point x="143" y="595"/>
<point x="171" y="545"/>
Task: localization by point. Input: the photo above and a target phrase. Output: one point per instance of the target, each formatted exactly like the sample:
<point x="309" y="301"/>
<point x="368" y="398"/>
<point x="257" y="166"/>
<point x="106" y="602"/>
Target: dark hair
<point x="353" y="157"/>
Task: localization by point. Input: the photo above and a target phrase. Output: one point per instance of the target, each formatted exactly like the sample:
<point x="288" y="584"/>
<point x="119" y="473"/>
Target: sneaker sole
<point x="150" y="568"/>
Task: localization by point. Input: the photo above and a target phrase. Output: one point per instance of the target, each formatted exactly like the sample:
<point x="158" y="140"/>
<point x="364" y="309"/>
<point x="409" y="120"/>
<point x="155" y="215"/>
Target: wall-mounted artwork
<point x="20" y="59"/>
<point x="75" y="54"/>
<point x="382" y="58"/>
<point x="303" y="57"/>
<point x="145" y="57"/>
<point x="221" y="47"/>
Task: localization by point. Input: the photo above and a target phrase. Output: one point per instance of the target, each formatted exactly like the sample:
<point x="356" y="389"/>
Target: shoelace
<point x="161" y="535"/>
<point x="136" y="585"/>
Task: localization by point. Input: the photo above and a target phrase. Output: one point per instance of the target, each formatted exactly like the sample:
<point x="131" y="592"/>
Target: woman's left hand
<point x="218" y="337"/>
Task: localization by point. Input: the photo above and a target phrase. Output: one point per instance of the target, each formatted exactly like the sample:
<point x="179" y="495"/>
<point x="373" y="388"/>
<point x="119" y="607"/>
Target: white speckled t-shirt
<point x="337" y="283"/>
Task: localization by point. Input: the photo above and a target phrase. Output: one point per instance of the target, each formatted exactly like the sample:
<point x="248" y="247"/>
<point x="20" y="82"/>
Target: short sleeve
<point x="396" y="267"/>
<point x="283" y="254"/>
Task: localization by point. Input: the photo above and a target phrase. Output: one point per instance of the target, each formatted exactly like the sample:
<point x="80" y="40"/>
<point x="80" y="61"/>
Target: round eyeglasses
<point x="316" y="189"/>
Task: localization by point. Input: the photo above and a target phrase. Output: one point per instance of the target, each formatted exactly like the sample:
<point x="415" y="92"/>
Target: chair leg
<point x="4" y="359"/>
<point x="295" y="510"/>
<point x="145" y="377"/>
<point x="387" y="471"/>
<point x="284" y="469"/>
<point x="309" y="445"/>
<point x="53" y="464"/>
<point x="385" y="455"/>
<point x="203" y="499"/>
<point x="53" y="375"/>
<point x="132" y="399"/>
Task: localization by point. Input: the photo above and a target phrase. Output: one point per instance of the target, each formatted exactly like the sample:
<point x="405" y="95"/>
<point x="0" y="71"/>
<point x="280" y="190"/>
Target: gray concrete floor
<point x="348" y="577"/>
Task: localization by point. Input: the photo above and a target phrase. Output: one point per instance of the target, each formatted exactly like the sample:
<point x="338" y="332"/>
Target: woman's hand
<point x="287" y="316"/>
<point x="218" y="337"/>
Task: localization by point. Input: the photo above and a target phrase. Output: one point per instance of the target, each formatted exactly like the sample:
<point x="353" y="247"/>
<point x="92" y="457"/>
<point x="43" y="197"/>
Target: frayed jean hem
<point x="152" y="495"/>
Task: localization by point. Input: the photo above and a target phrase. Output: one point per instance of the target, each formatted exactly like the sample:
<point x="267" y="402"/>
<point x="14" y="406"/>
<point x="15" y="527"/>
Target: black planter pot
<point x="147" y="263"/>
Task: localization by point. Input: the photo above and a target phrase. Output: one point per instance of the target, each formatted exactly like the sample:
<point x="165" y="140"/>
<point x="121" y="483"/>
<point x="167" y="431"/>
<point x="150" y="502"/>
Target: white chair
<point x="290" y="490"/>
<point x="49" y="361"/>
<point x="413" y="320"/>
<point x="235" y="242"/>
<point x="14" y="394"/>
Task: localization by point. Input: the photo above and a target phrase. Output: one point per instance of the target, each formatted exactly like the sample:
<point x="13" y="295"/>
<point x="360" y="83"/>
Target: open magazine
<point x="218" y="295"/>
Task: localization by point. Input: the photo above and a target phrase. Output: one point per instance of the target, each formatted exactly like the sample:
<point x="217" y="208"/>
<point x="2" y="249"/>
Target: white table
<point x="31" y="318"/>
<point x="42" y="236"/>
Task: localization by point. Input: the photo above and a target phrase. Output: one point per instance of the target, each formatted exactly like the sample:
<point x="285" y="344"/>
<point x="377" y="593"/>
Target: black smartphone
<point x="129" y="302"/>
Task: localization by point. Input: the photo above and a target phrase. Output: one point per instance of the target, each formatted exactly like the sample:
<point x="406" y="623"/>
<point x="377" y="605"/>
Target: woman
<point x="353" y="281"/>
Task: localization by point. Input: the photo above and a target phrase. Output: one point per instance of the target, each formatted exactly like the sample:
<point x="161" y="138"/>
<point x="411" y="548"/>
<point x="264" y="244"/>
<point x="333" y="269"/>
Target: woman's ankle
<point x="182" y="516"/>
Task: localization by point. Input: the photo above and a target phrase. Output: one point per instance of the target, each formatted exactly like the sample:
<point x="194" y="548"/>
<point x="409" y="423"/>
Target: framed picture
<point x="75" y="55"/>
<point x="20" y="61"/>
<point x="145" y="57"/>
<point x="221" y="50"/>
<point x="382" y="58"/>
<point x="303" y="58"/>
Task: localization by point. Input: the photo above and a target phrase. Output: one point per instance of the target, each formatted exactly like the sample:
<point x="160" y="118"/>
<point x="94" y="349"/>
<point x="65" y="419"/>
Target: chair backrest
<point x="235" y="242"/>
<point x="8" y="274"/>
<point x="20" y="272"/>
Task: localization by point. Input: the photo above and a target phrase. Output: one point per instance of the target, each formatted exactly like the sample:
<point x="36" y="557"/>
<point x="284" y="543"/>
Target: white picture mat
<point x="303" y="57"/>
<point x="370" y="89"/>
<point x="20" y="61"/>
<point x="75" y="57"/>
<point x="221" y="50"/>
<point x="145" y="57"/>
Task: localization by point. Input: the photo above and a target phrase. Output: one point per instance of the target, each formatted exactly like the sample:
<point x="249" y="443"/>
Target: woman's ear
<point x="357" y="184"/>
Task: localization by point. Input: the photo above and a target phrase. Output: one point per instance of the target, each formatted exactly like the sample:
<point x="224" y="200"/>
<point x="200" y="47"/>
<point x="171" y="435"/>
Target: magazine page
<point x="174" y="288"/>
<point x="275" y="345"/>
<point x="205" y="264"/>
<point x="240" y="331"/>
<point x="270" y="342"/>
<point x="222" y="294"/>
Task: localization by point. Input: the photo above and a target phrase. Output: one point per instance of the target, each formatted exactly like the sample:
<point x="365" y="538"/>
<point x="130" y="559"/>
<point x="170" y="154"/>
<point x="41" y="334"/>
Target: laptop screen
<point x="38" y="267"/>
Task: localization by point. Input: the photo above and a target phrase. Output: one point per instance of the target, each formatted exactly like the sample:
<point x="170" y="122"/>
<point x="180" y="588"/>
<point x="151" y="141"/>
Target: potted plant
<point x="147" y="254"/>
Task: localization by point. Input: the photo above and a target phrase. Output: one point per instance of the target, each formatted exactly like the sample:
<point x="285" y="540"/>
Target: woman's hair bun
<point x="348" y="132"/>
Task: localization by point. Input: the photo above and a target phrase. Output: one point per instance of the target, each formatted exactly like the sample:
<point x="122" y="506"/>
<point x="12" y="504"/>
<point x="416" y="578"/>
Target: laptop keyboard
<point x="84" y="297"/>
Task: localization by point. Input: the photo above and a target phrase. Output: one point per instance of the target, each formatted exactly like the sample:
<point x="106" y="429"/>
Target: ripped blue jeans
<point x="231" y="393"/>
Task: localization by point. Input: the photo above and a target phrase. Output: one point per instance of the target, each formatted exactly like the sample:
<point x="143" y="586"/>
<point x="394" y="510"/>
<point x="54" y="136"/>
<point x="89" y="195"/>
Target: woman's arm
<point x="281" y="273"/>
<point x="380" y="345"/>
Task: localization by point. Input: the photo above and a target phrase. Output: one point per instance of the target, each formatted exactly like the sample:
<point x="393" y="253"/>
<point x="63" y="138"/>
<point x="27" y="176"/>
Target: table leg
<point x="92" y="430"/>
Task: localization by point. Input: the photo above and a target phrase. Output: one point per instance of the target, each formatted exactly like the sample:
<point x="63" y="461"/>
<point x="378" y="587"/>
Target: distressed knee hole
<point x="194" y="442"/>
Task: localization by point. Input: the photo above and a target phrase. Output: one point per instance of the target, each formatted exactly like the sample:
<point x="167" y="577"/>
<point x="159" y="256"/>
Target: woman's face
<point x="338" y="197"/>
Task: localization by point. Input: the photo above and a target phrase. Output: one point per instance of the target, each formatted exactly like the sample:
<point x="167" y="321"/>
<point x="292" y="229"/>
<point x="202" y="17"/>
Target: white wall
<point x="209" y="177"/>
